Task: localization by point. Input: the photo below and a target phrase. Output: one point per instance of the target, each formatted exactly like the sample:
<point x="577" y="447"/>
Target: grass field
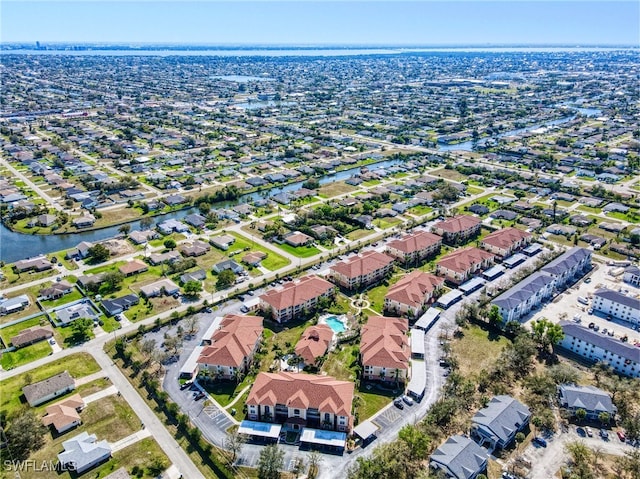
<point x="341" y="362"/>
<point x="448" y="174"/>
<point x="272" y="262"/>
<point x="386" y="223"/>
<point x="225" y="392"/>
<point x="13" y="279"/>
<point x="334" y="189"/>
<point x="25" y="355"/>
<point x="67" y="298"/>
<point x="300" y="251"/>
<point x="372" y="401"/>
<point x="78" y="365"/>
<point x="420" y="210"/>
<point x="477" y="349"/>
<point x="358" y="234"/>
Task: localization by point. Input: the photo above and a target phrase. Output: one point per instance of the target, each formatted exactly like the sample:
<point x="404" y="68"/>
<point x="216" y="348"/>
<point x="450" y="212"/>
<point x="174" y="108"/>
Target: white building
<point x="632" y="275"/>
<point x="622" y="357"/>
<point x="617" y="305"/>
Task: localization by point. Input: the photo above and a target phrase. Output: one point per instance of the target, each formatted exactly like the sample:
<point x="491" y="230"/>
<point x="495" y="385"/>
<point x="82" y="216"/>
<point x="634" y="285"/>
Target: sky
<point x="306" y="22"/>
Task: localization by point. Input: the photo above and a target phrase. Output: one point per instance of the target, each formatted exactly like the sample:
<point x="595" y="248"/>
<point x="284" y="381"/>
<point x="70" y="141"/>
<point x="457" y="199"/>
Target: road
<point x="36" y="189"/>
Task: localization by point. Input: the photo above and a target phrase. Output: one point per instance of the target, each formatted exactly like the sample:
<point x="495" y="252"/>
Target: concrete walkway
<point x="110" y="391"/>
<point x="129" y="440"/>
<point x="230" y="405"/>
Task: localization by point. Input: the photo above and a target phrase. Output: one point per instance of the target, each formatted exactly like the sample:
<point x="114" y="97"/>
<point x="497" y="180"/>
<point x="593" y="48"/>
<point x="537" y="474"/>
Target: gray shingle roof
<point x="566" y="261"/>
<point x="503" y="416"/>
<point x="463" y="457"/>
<point x="83" y="451"/>
<point x="620" y="298"/>
<point x="589" y="398"/>
<point x="615" y="346"/>
<point x="33" y="392"/>
<point x="522" y="291"/>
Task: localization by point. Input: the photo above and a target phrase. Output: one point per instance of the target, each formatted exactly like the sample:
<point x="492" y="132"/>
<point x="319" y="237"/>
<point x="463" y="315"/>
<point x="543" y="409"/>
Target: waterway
<point x="16" y="246"/>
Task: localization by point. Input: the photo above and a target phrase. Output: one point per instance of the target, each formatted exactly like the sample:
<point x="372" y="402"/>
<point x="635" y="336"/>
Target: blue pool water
<point x="335" y="324"/>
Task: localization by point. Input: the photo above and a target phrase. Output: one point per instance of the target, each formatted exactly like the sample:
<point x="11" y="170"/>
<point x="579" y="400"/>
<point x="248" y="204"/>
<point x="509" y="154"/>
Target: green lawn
<point x="420" y="210"/>
<point x="341" y="362"/>
<point x="474" y="190"/>
<point x="25" y="355"/>
<point x="74" y="295"/>
<point x="10" y="331"/>
<point x="110" y="324"/>
<point x="386" y="223"/>
<point x="376" y="297"/>
<point x="358" y="234"/>
<point x="78" y="365"/>
<point x="632" y="216"/>
<point x="334" y="189"/>
<point x="372" y="401"/>
<point x="300" y="251"/>
<point x="371" y="182"/>
<point x="272" y="262"/>
<point x="225" y="392"/>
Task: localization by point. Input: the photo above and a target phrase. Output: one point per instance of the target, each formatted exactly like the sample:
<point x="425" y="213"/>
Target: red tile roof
<point x="505" y="238"/>
<point x="295" y="293"/>
<point x="415" y="242"/>
<point x="233" y="341"/>
<point x="134" y="266"/>
<point x="303" y="391"/>
<point x="384" y="342"/>
<point x="362" y="264"/>
<point x="314" y="342"/>
<point x="457" y="223"/>
<point x="413" y="288"/>
<point x="462" y="259"/>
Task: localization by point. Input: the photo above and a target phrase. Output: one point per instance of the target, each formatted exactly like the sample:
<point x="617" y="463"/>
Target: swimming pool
<point x="335" y="324"/>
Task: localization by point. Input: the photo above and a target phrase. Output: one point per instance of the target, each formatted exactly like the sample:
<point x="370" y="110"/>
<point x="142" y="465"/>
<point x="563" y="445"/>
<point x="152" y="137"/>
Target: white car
<point x="52" y="341"/>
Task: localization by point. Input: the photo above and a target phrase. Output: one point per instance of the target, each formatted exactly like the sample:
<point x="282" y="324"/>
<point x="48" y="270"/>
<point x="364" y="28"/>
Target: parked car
<point x="199" y="396"/>
<point x="592" y="325"/>
<point x="185" y="385"/>
<point x="596" y="328"/>
<point x="407" y="400"/>
<point x="611" y="333"/>
<point x="588" y="431"/>
<point x="244" y="309"/>
<point x="540" y="441"/>
<point x="590" y="311"/>
<point x="621" y="436"/>
<point x="398" y="403"/>
<point x="52" y="341"/>
<point x="604" y="434"/>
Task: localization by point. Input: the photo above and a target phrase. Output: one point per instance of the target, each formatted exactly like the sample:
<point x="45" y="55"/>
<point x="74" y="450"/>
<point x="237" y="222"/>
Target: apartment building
<point x="415" y="247"/>
<point x="411" y="295"/>
<point x="232" y="348"/>
<point x="460" y="265"/>
<point x="303" y="400"/>
<point x="384" y="349"/>
<point x="458" y="229"/>
<point x="294" y="297"/>
<point x="623" y="358"/>
<point x="617" y="305"/>
<point x="505" y="242"/>
<point x="361" y="270"/>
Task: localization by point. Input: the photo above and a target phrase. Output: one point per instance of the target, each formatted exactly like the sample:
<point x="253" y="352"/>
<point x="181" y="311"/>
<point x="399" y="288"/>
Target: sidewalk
<point x="129" y="440"/>
<point x="110" y="391"/>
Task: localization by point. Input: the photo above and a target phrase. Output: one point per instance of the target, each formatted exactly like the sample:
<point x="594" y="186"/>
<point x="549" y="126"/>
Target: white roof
<point x="190" y="364"/>
<point x="427" y="319"/>
<point x="365" y="429"/>
<point x="263" y="429"/>
<point x="417" y="342"/>
<point x="327" y="438"/>
<point x="418" y="382"/>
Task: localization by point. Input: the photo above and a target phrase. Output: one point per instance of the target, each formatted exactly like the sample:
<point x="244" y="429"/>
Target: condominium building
<point x="415" y="247"/>
<point x="362" y="270"/>
<point x="384" y="349"/>
<point x="295" y="297"/>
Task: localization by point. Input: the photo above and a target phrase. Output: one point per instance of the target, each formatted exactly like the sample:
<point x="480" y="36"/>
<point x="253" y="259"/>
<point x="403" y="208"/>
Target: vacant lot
<point x="272" y="262"/>
<point x="477" y="349"/>
<point x="300" y="251"/>
<point x="334" y="189"/>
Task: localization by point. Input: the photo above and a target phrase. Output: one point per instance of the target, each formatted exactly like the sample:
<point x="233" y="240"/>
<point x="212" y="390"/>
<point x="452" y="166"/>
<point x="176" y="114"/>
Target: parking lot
<point x="566" y="305"/>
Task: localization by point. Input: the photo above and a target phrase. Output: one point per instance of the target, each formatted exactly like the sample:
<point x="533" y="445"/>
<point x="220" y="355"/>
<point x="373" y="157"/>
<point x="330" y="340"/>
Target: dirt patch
<point x="118" y="247"/>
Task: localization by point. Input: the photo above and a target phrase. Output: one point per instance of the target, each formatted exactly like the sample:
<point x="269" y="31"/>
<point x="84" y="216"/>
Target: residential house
<point x="384" y="349"/>
<point x="80" y="252"/>
<point x="563" y="230"/>
<point x="164" y="286"/>
<point x="232" y="347"/>
<point x="593" y="346"/>
<point x="69" y="314"/>
<point x="65" y="414"/>
<point x="505" y="242"/>
<point x="458" y="229"/>
<point x="12" y="305"/>
<point x="46" y="220"/>
<point x="199" y="275"/>
<point x="415" y="247"/>
<point x="55" y="291"/>
<point x="314" y="343"/>
<point x="142" y="237"/>
<point x="169" y="226"/>
<point x="460" y="458"/>
<point x="168" y="257"/>
<point x="618" y="305"/>
<point x="254" y="258"/>
<point x="31" y="335"/>
<point x="296" y="238"/>
<point x="458" y="266"/>
<point x="323" y="231"/>
<point x="615" y="207"/>
<point x="361" y="270"/>
<point x="195" y="220"/>
<point x="90" y="280"/>
<point x="119" y="305"/>
<point x="133" y="267"/>
<point x="222" y="242"/>
<point x="197" y="248"/>
<point x="47" y="389"/>
<point x="497" y="424"/>
<point x="228" y="264"/>
<point x="412" y="293"/>
<point x="83" y="452"/>
<point x="84" y="221"/>
<point x="592" y="400"/>
<point x="295" y="297"/>
<point x="38" y="263"/>
<point x="303" y="400"/>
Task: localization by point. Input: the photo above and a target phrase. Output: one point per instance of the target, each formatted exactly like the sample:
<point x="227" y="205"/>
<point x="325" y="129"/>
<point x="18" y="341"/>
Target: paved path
<point x="110" y="391"/>
<point x="238" y="397"/>
<point x="129" y="440"/>
<point x="36" y="189"/>
<point x="89" y="378"/>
